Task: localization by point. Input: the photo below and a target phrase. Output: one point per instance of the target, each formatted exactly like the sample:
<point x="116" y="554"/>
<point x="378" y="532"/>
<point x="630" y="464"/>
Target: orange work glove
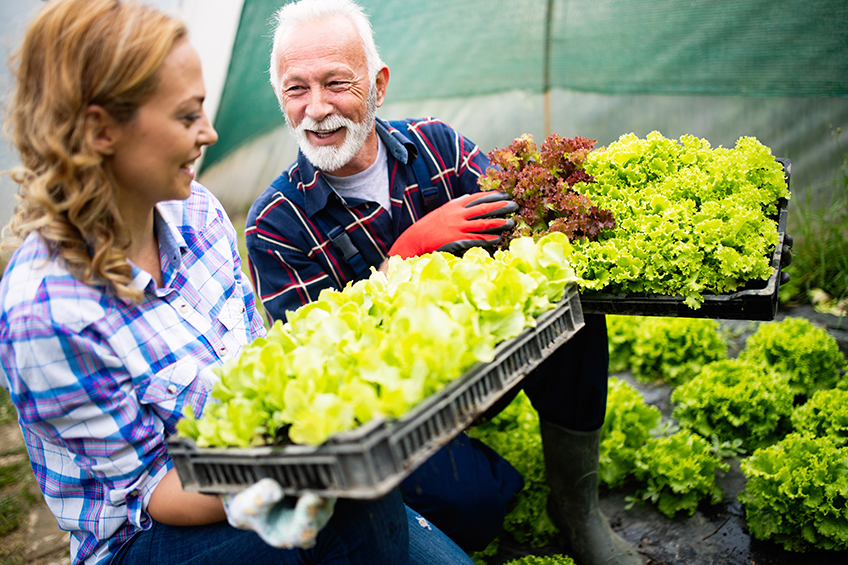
<point x="468" y="221"/>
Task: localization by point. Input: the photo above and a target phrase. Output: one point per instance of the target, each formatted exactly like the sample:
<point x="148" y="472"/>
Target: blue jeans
<point x="464" y="488"/>
<point x="371" y="532"/>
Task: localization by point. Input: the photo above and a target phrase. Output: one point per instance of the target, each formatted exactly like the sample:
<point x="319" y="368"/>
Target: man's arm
<point x="284" y="275"/>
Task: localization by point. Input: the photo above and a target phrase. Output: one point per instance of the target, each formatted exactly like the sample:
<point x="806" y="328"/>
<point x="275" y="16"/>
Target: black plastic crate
<point x="756" y="301"/>
<point x="369" y="461"/>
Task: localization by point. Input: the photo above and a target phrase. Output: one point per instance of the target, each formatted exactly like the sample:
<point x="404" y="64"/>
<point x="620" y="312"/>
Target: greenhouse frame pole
<point x="546" y="71"/>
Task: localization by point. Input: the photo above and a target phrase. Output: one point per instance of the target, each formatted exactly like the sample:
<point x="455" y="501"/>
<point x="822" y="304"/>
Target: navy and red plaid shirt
<point x="291" y="257"/>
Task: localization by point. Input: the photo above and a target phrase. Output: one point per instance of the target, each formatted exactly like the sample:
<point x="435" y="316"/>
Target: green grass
<point x="14" y="472"/>
<point x="12" y="512"/>
<point x="7" y="409"/>
<point x="820" y="254"/>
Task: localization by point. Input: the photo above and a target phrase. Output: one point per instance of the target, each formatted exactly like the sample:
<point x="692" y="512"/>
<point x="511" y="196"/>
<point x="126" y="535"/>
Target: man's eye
<point x="191" y="118"/>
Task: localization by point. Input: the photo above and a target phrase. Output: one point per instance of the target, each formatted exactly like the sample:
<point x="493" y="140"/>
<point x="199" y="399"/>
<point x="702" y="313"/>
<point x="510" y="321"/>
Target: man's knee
<point x="464" y="489"/>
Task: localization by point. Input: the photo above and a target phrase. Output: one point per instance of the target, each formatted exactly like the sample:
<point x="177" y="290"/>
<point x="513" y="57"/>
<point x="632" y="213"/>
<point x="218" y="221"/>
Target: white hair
<point x="291" y="15"/>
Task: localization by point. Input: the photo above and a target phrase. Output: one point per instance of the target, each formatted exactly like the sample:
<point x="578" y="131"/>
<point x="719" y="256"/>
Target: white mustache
<point x="330" y="123"/>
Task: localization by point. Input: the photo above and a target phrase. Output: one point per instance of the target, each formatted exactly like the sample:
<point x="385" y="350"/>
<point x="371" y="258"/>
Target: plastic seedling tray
<point x="756" y="301"/>
<point x="371" y="460"/>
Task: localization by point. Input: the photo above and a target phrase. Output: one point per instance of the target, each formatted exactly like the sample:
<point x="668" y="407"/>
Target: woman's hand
<point x="279" y="521"/>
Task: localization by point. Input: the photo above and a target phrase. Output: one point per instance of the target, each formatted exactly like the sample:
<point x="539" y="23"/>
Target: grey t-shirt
<point x="372" y="184"/>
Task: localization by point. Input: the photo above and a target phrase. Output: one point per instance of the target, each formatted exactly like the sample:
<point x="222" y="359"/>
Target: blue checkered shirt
<point x="99" y="382"/>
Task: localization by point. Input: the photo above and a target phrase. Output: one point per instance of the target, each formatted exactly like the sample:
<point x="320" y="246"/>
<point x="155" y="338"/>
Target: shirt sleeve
<point x="471" y="164"/>
<point x="285" y="277"/>
<point x="257" y="327"/>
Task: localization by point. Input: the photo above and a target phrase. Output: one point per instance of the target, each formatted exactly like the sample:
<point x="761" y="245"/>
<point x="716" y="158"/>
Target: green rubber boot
<point x="571" y="461"/>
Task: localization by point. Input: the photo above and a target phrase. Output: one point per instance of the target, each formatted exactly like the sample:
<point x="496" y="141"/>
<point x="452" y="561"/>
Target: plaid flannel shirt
<point x="291" y="257"/>
<point x="99" y="382"/>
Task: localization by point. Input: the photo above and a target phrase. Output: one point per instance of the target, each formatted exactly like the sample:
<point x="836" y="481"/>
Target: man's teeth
<point x="325" y="133"/>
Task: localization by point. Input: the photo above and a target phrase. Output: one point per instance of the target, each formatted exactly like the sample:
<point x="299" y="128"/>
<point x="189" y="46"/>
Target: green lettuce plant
<point x="381" y="345"/>
<point x="806" y="354"/>
<point x="734" y="399"/>
<point x="621" y="335"/>
<point x="678" y="472"/>
<point x="674" y="350"/>
<point x="690" y="219"/>
<point x="628" y="425"/>
<point x="825" y="414"/>
<point x="796" y="493"/>
<point x="542" y="560"/>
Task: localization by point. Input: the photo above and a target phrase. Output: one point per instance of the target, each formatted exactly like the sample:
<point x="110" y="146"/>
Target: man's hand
<point x="468" y="221"/>
<point x="261" y="508"/>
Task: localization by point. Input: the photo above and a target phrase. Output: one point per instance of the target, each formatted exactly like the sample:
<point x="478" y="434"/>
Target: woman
<point x="124" y="291"/>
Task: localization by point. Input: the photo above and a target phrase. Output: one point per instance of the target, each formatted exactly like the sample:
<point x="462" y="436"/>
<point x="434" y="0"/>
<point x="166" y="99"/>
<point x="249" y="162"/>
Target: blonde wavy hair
<point x="74" y="54"/>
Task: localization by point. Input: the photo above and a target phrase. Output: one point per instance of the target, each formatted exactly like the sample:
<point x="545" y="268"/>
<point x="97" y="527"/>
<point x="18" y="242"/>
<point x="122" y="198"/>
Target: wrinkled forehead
<point x="322" y="42"/>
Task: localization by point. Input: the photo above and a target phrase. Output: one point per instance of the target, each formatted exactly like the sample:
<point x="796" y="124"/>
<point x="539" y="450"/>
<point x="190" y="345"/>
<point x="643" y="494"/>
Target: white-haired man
<point x="363" y="189"/>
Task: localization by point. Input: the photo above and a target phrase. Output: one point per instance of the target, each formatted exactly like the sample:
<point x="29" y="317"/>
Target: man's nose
<point x="318" y="106"/>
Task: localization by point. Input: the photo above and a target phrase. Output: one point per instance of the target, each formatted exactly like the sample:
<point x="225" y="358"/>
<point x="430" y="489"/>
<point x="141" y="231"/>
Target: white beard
<point x="330" y="158"/>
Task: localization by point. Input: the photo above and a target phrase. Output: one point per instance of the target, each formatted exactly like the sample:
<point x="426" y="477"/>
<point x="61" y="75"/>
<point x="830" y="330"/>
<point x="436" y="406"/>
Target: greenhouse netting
<point x="495" y="69"/>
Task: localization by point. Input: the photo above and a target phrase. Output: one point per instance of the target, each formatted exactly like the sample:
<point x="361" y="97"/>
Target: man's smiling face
<point x="326" y="93"/>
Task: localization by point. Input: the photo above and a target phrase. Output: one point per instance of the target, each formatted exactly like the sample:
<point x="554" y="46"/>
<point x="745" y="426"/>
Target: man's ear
<point x="101" y="130"/>
<point x="382" y="84"/>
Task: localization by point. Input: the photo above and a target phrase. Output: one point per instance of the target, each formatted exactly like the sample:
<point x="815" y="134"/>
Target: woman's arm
<point x="170" y="504"/>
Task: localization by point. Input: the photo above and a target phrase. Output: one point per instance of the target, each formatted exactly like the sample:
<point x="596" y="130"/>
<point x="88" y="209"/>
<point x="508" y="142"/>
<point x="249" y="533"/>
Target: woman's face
<point x="154" y="153"/>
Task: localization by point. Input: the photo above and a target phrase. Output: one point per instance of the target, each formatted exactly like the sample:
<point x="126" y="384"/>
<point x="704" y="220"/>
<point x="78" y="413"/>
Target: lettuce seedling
<point x="542" y="560"/>
<point x="379" y="346"/>
<point x="824" y="415"/>
<point x="679" y="472"/>
<point x="621" y="335"/>
<point x="674" y="350"/>
<point x="690" y="219"/>
<point x="796" y="493"/>
<point x="735" y="399"/>
<point x="806" y="354"/>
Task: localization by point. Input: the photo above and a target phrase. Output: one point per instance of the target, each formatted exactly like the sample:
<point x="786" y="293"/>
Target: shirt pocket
<point x="167" y="391"/>
<point x="232" y="315"/>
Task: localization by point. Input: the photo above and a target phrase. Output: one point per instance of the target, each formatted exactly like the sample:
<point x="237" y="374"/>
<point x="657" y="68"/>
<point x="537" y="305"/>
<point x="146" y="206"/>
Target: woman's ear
<point x="101" y="130"/>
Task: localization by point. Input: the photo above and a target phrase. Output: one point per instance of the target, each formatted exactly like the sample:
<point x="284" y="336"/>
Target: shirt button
<point x="133" y="493"/>
<point x="172" y="389"/>
<point x="183" y="308"/>
<point x="222" y="350"/>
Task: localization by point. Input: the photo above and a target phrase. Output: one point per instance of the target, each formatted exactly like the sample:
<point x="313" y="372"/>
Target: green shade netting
<point x="450" y="48"/>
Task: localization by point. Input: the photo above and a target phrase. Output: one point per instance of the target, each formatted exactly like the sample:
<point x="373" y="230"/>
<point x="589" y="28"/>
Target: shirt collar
<point x="171" y="245"/>
<point x="171" y="241"/>
<point x="316" y="189"/>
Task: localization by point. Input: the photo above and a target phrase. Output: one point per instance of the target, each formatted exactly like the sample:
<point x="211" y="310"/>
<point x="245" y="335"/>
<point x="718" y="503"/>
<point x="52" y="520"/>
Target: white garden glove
<point x="279" y="523"/>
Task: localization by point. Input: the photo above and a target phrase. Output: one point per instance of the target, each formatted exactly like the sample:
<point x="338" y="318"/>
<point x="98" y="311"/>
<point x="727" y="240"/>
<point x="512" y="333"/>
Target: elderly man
<point x="363" y="189"/>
